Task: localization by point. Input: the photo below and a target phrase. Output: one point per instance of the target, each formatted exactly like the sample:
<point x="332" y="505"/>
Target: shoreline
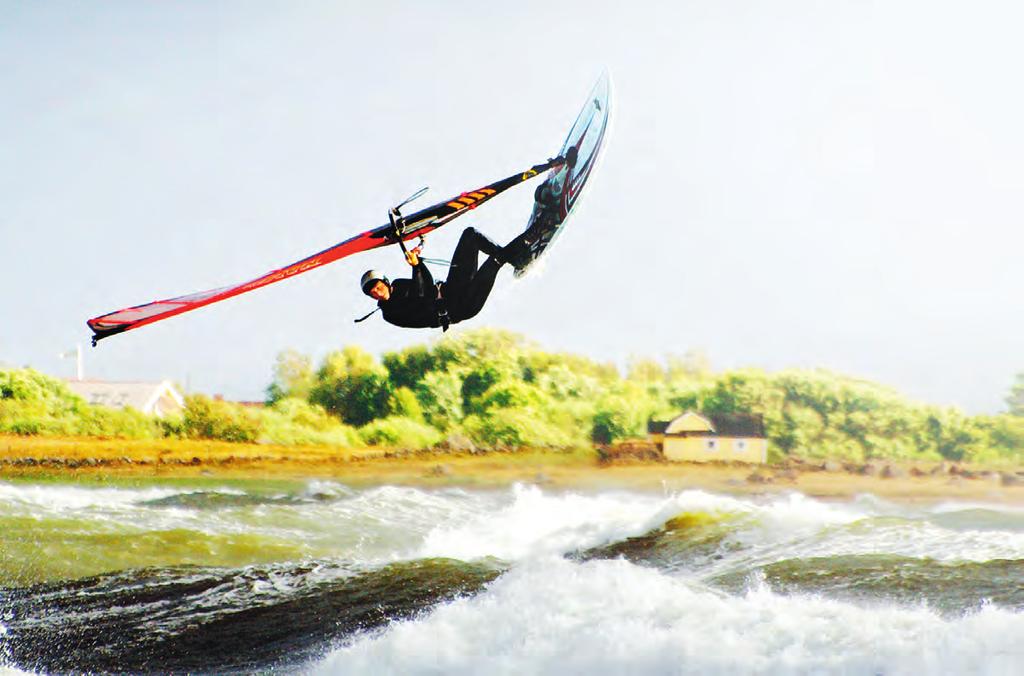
<point x="99" y="460"/>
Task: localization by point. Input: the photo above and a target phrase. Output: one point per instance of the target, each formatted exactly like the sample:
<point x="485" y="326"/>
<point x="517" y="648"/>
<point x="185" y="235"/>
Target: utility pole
<point x="79" y="365"/>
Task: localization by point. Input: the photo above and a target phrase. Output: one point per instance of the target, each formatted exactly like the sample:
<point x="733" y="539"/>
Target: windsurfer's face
<point x="380" y="291"/>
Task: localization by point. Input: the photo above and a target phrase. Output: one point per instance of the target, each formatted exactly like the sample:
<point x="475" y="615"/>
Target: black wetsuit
<point x="421" y="303"/>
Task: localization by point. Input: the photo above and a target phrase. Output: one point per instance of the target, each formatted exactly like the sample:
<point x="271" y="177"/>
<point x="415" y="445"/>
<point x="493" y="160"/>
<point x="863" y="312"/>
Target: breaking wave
<point x="321" y="578"/>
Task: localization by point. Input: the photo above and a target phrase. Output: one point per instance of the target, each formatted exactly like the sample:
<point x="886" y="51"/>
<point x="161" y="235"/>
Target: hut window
<point x="710" y="444"/>
<point x="740" y="445"/>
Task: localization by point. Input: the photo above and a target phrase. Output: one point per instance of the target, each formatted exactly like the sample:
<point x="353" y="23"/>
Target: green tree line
<point x="499" y="391"/>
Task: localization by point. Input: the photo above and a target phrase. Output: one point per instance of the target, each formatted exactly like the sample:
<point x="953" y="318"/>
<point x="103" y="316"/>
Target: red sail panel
<point x="415" y="225"/>
<point x="140" y="315"/>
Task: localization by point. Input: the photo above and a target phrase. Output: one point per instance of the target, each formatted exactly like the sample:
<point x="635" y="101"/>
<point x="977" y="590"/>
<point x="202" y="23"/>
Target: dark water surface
<point x="319" y="578"/>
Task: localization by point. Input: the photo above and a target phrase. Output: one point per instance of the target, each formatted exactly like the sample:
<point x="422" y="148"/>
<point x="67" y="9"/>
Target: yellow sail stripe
<point x="471" y="198"/>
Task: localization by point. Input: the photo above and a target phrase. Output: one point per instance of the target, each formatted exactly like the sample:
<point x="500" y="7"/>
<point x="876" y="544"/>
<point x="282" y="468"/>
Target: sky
<point x="786" y="184"/>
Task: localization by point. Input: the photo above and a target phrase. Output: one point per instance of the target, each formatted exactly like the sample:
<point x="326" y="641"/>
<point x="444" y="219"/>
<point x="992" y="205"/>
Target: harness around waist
<point x="441" y="307"/>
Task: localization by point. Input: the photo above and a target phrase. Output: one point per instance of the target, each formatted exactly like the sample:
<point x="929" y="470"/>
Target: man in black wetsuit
<point x="421" y="303"/>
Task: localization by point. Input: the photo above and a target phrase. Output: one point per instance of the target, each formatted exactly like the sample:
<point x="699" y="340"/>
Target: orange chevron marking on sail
<point x="478" y="195"/>
<point x="456" y="205"/>
<point x="467" y="200"/>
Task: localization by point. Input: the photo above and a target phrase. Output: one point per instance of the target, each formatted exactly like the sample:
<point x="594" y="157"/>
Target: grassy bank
<point x="495" y="391"/>
<point x="96" y="460"/>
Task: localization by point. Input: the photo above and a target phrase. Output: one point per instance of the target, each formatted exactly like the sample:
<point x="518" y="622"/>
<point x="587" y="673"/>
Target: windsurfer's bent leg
<point x="467" y="285"/>
<point x="465" y="259"/>
<point x="474" y="295"/>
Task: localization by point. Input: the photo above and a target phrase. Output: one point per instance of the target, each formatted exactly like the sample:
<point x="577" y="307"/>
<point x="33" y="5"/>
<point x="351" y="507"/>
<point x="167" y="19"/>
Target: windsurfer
<point x="420" y="302"/>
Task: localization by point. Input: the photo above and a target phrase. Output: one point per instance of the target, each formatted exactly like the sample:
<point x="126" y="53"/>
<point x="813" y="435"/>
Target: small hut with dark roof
<point x="698" y="437"/>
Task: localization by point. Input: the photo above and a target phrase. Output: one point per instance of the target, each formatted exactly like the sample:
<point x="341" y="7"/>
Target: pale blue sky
<point x="790" y="183"/>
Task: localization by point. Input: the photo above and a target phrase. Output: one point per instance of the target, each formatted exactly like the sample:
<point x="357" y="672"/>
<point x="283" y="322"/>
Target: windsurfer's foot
<point x="516" y="251"/>
<point x="533" y="232"/>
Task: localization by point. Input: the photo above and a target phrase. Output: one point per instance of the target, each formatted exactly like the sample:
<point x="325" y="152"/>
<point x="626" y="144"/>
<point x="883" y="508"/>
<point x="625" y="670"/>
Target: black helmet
<point x="371" y="277"/>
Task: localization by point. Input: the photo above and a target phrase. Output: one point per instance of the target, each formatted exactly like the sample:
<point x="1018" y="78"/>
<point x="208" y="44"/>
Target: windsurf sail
<point x="409" y="227"/>
<point x="558" y="195"/>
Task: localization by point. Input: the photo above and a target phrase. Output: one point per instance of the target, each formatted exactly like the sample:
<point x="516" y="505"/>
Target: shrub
<point x="206" y="418"/>
<point x="25" y="428"/>
<point x="407" y="367"/>
<point x="621" y="416"/>
<point x="293" y="421"/>
<point x="293" y="376"/>
<point x="30" y="385"/>
<point x="32" y="403"/>
<point x="481" y="378"/>
<point x="1007" y="433"/>
<point x="516" y="428"/>
<point x="405" y="404"/>
<point x="399" y="432"/>
<point x="440" y="395"/>
<point x="27" y="386"/>
<point x="353" y="386"/>
<point x="511" y="394"/>
<point x="172" y="426"/>
<point x="562" y="383"/>
<point x="128" y="423"/>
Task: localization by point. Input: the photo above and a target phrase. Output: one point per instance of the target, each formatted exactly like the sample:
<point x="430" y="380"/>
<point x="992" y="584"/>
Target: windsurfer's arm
<point x="422" y="280"/>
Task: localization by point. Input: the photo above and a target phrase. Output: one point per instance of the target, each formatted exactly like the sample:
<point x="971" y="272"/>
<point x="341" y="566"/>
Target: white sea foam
<point x="398" y="523"/>
<point x="612" y="617"/>
<point x="965" y="505"/>
<point x="321" y="488"/>
<point x="796" y="511"/>
<point x="797" y="526"/>
<point x="533" y="522"/>
<point x="92" y="510"/>
<point x="912" y="539"/>
<point x="64" y="498"/>
<point x="871" y="526"/>
<point x="387" y="523"/>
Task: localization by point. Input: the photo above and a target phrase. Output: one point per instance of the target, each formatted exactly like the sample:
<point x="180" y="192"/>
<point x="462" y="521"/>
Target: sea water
<point x="320" y="578"/>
